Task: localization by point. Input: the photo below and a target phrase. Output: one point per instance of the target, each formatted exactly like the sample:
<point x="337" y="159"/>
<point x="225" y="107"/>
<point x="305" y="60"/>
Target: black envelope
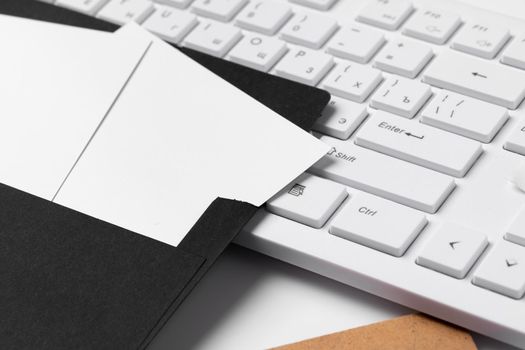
<point x="70" y="281"/>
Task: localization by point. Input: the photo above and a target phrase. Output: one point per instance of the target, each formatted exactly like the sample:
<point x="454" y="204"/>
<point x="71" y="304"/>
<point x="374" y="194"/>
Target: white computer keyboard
<point x="413" y="202"/>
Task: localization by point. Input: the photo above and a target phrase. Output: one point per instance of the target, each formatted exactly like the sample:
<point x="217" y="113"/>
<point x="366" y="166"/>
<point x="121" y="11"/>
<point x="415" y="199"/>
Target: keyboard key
<point x="316" y="4"/>
<point x="383" y="176"/>
<point x="264" y="16"/>
<point x="483" y="40"/>
<point x="401" y="96"/>
<point x="356" y="43"/>
<point x="258" y="52"/>
<point x="503" y="270"/>
<point x="309" y="200"/>
<point x="378" y="224"/>
<point x="432" y="25"/>
<point x="352" y="81"/>
<point x="403" y="57"/>
<point x="516" y="141"/>
<point x="419" y="144"/>
<point x="213" y="38"/>
<point x="465" y="116"/>
<point x="123" y="11"/>
<point x="340" y="118"/>
<point x="304" y="66"/>
<point x="221" y="10"/>
<point x="88" y="7"/>
<point x="309" y="30"/>
<point x="181" y="4"/>
<point x="516" y="232"/>
<point x="453" y="250"/>
<point x="514" y="55"/>
<point x="387" y="14"/>
<point x="494" y="83"/>
<point x="170" y="24"/>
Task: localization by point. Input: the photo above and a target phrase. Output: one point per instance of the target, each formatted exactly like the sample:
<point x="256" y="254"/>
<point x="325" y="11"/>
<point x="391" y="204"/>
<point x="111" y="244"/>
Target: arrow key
<point x="503" y="270"/>
<point x="453" y="250"/>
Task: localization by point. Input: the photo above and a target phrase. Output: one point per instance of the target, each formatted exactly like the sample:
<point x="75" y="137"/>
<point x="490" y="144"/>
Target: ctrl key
<point x="308" y="199"/>
<point x="503" y="270"/>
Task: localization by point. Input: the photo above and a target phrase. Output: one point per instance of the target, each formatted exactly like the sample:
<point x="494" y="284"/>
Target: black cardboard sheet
<point x="69" y="281"/>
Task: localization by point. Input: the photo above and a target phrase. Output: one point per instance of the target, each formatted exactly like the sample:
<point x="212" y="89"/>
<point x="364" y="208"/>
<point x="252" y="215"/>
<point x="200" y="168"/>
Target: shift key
<point x="419" y="144"/>
<point x="383" y="176"/>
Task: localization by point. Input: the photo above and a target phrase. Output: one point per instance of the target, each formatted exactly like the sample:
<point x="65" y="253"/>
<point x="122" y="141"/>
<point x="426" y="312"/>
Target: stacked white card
<point x="127" y="129"/>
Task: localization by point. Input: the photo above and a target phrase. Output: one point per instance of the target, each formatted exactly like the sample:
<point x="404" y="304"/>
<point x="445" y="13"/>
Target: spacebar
<point x="383" y="176"/>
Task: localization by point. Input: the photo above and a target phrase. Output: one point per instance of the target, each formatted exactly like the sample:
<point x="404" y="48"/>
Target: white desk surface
<point x="250" y="301"/>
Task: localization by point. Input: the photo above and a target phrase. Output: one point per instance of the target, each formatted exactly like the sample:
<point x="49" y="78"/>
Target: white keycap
<point x="481" y="39"/>
<point x="181" y="4"/>
<point x="387" y="14"/>
<point x="213" y="38"/>
<point x="464" y="116"/>
<point x="316" y="4"/>
<point x="309" y="30"/>
<point x="419" y="144"/>
<point x="516" y="232"/>
<point x="88" y="7"/>
<point x="453" y="250"/>
<point x="221" y="10"/>
<point x="383" y="176"/>
<point x="514" y="54"/>
<point x="432" y="25"/>
<point x="378" y="224"/>
<point x="356" y="43"/>
<point x="403" y="57"/>
<point x="170" y="24"/>
<point x="264" y="16"/>
<point x="401" y="96"/>
<point x="123" y="11"/>
<point x="352" y="81"/>
<point x="304" y="66"/>
<point x="309" y="200"/>
<point x="503" y="270"/>
<point x="494" y="83"/>
<point x="340" y="118"/>
<point x="516" y="141"/>
<point x="258" y="51"/>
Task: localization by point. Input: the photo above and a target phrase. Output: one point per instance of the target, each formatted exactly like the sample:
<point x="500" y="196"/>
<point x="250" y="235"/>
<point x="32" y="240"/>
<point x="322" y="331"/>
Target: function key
<point x="431" y="25"/>
<point x="387" y="14"/>
<point x="514" y="55"/>
<point x="480" y="39"/>
<point x="503" y="270"/>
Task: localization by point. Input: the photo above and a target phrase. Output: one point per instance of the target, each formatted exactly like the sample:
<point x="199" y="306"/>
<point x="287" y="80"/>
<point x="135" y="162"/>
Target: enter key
<point x="419" y="144"/>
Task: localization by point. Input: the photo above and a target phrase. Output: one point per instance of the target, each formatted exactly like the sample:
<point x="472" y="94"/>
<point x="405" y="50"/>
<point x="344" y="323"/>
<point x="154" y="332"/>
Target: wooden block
<point x="415" y="332"/>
